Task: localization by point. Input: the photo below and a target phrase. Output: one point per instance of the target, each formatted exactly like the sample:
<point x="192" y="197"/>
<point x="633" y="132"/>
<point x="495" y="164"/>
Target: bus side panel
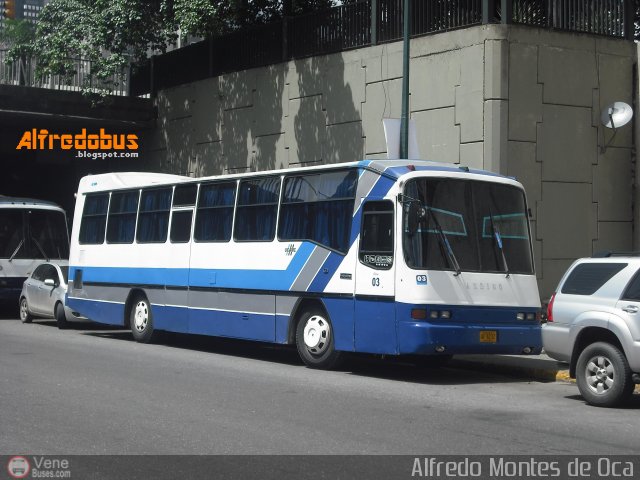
<point x="284" y="310"/>
<point x="375" y="326"/>
<point x="109" y="313"/>
<point x="228" y="314"/>
<point x="170" y="318"/>
<point x="173" y="315"/>
<point x="341" y="313"/>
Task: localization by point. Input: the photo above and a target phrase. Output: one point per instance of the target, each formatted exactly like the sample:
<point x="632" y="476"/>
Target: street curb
<point x="522" y="371"/>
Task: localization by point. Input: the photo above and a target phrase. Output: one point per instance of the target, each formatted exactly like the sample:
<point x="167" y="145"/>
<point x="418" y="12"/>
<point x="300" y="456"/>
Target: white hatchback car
<point x="43" y="295"/>
<point x="593" y="323"/>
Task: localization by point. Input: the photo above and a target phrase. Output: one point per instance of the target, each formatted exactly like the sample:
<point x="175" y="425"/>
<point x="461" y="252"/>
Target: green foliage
<point x="106" y="34"/>
<point x="18" y="35"/>
<point x="109" y="35"/>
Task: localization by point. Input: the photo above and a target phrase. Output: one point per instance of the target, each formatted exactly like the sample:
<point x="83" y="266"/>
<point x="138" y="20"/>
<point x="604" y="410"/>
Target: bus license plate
<point x="488" y="336"/>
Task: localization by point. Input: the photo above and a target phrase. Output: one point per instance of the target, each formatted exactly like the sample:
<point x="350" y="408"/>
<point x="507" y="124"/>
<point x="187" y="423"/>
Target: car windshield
<point x="466" y="225"/>
<point x="33" y="233"/>
<point x="65" y="273"/>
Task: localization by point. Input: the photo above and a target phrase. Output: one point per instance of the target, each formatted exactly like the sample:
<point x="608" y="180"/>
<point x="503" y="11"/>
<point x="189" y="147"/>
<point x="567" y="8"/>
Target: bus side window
<point x="181" y="226"/>
<point x="214" y="213"/>
<point x="121" y="222"/>
<point x="319" y="207"/>
<point x="257" y="210"/>
<point x="376" y="235"/>
<point x="153" y="220"/>
<point x="94" y="219"/>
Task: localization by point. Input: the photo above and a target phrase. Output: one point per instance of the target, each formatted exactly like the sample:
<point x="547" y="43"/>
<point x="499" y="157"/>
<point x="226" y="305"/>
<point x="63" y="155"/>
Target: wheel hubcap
<point x="600" y="375"/>
<point x="23" y="310"/>
<point x="316" y="334"/>
<point x="141" y="316"/>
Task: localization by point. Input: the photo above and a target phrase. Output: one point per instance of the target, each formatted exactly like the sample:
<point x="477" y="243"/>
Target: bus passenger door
<point x="176" y="311"/>
<point x="375" y="325"/>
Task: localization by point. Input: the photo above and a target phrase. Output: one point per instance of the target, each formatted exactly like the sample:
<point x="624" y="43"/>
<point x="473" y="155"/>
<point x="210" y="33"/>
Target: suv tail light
<point x="550" y="308"/>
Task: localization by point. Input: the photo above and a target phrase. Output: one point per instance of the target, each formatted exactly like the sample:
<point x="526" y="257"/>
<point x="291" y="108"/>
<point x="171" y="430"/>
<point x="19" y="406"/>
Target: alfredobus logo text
<point x="35" y="139"/>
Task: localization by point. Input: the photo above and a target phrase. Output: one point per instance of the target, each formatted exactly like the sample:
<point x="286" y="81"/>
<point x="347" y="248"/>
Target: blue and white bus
<point x="387" y="257"/>
<point x="31" y="232"/>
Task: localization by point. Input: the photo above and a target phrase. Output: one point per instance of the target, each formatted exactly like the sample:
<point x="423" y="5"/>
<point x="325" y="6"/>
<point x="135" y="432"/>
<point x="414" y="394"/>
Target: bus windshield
<point x="33" y="233"/>
<point x="465" y="225"/>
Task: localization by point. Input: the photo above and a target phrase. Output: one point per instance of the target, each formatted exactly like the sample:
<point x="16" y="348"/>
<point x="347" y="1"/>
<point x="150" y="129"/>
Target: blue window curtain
<point x="214" y="215"/>
<point x="257" y="209"/>
<point x="94" y="219"/>
<point x="121" y="223"/>
<point x="153" y="221"/>
<point x="319" y="208"/>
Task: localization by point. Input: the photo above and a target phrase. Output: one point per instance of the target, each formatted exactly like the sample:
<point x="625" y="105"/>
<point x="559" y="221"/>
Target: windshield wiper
<point x="44" y="255"/>
<point x="444" y="241"/>
<point x="498" y="240"/>
<point x="15" y="252"/>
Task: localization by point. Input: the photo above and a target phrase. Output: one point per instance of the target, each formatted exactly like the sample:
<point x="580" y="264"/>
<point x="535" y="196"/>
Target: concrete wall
<point x="515" y="100"/>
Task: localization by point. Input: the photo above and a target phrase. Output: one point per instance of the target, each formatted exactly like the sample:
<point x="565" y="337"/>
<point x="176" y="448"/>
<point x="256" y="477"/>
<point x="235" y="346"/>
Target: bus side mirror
<point x="413" y="218"/>
<point x="417" y="214"/>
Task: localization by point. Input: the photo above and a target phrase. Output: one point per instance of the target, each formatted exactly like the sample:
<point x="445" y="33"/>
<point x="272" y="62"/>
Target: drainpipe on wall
<point x="634" y="164"/>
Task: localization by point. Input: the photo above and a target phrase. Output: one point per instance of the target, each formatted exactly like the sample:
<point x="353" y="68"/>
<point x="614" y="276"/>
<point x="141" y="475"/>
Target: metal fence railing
<point x="22" y="72"/>
<point x="348" y="26"/>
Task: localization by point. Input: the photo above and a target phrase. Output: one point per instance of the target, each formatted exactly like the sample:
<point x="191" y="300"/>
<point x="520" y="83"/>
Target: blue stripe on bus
<point x="182" y="277"/>
<point x="109" y="313"/>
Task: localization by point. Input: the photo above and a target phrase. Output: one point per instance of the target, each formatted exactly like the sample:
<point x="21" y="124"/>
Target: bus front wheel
<point x="141" y="320"/>
<point x="314" y="340"/>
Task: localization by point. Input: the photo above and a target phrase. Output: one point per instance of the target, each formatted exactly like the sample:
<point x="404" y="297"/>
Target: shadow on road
<point x="9" y="311"/>
<point x="632" y="404"/>
<point x="374" y="366"/>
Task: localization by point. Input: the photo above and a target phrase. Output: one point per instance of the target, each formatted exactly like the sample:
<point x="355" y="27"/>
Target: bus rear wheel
<point x="314" y="340"/>
<point x="141" y="320"/>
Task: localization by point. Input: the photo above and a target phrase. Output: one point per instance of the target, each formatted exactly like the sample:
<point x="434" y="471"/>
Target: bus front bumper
<point x="426" y="338"/>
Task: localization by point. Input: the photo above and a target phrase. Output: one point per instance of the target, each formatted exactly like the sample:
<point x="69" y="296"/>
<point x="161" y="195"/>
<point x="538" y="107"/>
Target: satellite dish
<point x="613" y="116"/>
<point x="616" y="115"/>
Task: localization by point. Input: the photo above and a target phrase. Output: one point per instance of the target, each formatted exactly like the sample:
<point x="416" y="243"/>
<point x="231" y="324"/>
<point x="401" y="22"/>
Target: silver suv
<point x="593" y="323"/>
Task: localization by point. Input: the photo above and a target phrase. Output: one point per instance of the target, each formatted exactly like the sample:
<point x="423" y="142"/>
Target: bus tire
<point x="61" y="317"/>
<point x="25" y="315"/>
<point x="141" y="320"/>
<point x="315" y="340"/>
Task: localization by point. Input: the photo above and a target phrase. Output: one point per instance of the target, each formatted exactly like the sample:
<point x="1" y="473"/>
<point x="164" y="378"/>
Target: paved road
<point x="93" y="390"/>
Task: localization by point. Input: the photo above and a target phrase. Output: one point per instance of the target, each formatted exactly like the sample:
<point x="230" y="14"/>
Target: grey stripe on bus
<point x="225" y="301"/>
<point x="310" y="269"/>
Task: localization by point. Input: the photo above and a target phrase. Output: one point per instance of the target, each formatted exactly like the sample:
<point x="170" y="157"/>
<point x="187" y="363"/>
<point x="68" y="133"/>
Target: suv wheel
<point x="603" y="375"/>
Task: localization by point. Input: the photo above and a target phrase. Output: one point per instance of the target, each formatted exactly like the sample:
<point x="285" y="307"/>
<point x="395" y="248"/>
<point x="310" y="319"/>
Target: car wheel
<point x="141" y="320"/>
<point x="25" y="315"/>
<point x="603" y="375"/>
<point x="314" y="340"/>
<point x="61" y="317"/>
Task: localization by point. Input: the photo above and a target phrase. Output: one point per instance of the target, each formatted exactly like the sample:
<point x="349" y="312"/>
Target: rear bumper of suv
<point x="556" y="341"/>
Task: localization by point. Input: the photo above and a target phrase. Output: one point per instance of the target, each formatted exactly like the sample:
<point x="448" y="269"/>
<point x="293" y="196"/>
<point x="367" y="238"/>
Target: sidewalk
<point x="541" y="368"/>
